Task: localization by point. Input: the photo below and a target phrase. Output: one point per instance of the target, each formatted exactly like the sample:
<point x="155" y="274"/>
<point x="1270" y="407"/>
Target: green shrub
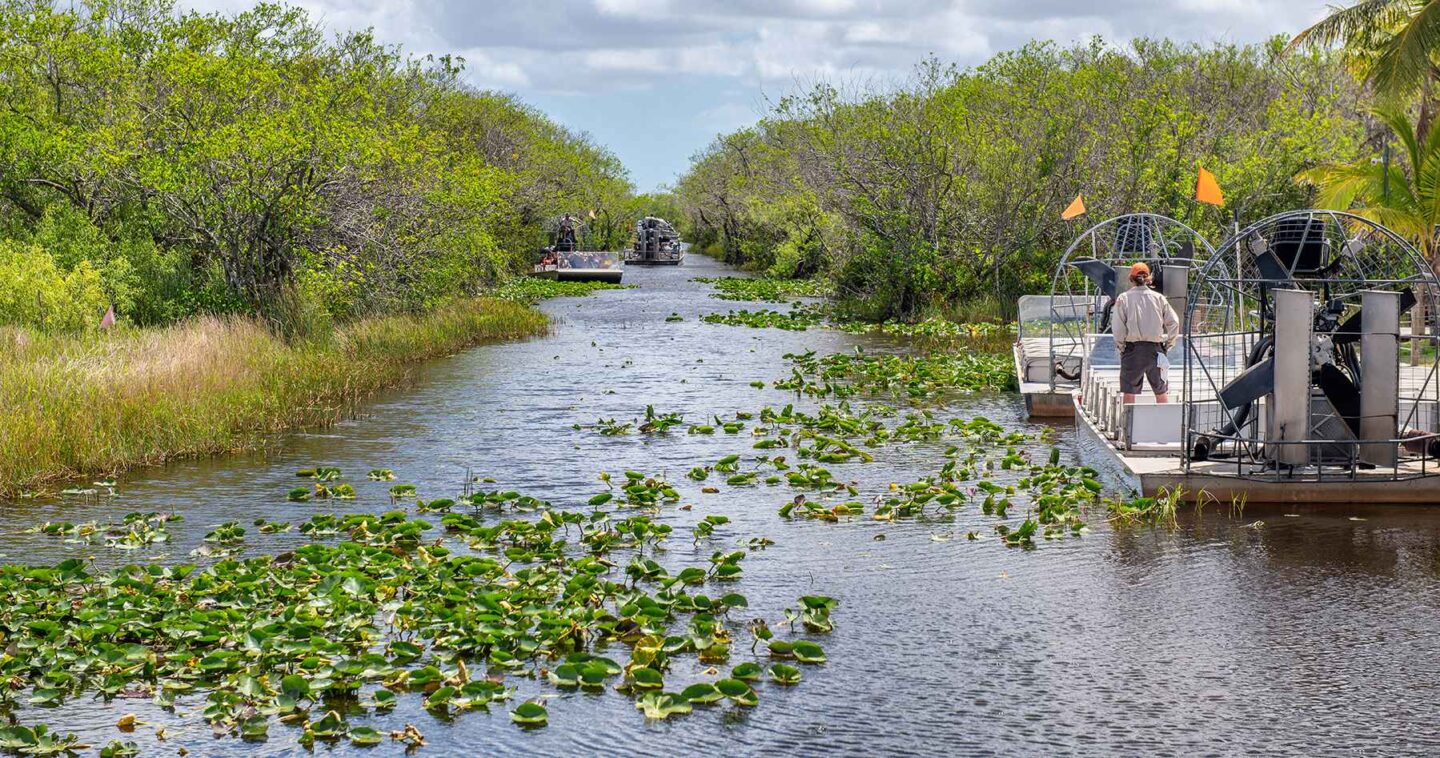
<point x="146" y="284"/>
<point x="36" y="292"/>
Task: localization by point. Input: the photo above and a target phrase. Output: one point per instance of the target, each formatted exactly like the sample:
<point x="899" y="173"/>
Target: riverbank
<point x="97" y="404"/>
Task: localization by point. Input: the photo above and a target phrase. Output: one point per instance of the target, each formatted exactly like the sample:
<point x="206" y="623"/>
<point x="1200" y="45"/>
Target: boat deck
<point x="1157" y="469"/>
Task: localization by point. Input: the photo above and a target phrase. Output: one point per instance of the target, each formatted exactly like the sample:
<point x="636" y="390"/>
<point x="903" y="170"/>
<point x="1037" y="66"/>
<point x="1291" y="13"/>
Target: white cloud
<point x="611" y="45"/>
<point x="632" y="7"/>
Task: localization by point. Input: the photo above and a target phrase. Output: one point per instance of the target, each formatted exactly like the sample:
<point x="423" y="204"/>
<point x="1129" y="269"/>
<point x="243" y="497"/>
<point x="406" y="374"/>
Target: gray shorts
<point x="1138" y="363"/>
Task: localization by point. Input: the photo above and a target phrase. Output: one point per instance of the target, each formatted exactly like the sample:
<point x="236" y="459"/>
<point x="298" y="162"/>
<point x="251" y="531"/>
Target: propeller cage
<point x="1058" y="334"/>
<point x="1311" y="361"/>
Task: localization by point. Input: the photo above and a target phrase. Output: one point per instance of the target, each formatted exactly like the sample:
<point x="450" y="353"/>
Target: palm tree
<point x="1394" y="43"/>
<point x="1404" y="196"/>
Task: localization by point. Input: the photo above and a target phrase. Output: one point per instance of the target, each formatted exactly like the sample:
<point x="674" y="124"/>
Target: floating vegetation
<point x="228" y="533"/>
<point x="528" y="713"/>
<point x="1163" y="509"/>
<point x="652" y="422"/>
<point x="706" y="527"/>
<point x="608" y="427"/>
<point x="674" y="317"/>
<point x="988" y="336"/>
<point x="803" y="507"/>
<point x="933" y="327"/>
<point x="915" y="377"/>
<point x="765" y="289"/>
<point x="996" y="335"/>
<point x="796" y="320"/>
<point x="39" y="740"/>
<point x="389" y="611"/>
<point x="341" y="491"/>
<point x="659" y="422"/>
<point x="320" y="473"/>
<point x="530" y="289"/>
<point x="134" y="531"/>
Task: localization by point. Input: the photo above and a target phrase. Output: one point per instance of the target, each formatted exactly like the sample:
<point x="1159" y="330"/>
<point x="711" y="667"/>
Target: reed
<point x="96" y="404"/>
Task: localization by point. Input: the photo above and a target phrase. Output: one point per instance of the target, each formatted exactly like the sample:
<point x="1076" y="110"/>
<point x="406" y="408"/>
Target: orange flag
<point x="1076" y="208"/>
<point x="1207" y="190"/>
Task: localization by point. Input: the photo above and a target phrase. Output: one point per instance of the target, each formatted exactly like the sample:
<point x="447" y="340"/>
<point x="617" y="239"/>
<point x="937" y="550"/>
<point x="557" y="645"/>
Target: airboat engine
<point x="1315" y="318"/>
<point x="1314" y="400"/>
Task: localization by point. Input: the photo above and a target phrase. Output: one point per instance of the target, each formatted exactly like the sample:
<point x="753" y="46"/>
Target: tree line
<point x="944" y="194"/>
<point x="173" y="163"/>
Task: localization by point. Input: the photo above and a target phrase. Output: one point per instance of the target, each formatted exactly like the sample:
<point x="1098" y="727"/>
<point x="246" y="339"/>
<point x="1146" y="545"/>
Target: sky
<point x="657" y="80"/>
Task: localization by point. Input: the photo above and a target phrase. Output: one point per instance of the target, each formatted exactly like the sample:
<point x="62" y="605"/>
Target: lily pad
<point x="784" y="673"/>
<point x="645" y="678"/>
<point x="808" y="652"/>
<point x="739" y="692"/>
<point x="703" y="692"/>
<point x="365" y="736"/>
<point x="748" y="671"/>
<point x="662" y="705"/>
<point x="530" y="713"/>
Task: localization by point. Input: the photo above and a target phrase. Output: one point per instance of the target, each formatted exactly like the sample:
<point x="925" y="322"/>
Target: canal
<point x="1292" y="631"/>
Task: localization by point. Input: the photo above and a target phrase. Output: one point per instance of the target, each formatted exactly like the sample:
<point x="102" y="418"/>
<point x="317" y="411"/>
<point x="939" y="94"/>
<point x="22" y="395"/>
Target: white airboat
<point x="1304" y="373"/>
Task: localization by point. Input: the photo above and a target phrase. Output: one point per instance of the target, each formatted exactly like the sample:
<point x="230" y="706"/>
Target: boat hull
<point x="608" y="275"/>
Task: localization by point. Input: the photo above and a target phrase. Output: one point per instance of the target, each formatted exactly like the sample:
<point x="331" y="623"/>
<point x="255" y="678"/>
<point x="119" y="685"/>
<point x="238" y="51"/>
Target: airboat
<point x="1306" y="372"/>
<point x="656" y="244"/>
<point x="564" y="259"/>
<point x="1065" y="332"/>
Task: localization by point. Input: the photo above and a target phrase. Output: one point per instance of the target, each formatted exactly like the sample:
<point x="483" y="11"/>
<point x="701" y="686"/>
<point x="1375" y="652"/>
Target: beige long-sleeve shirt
<point x="1143" y="315"/>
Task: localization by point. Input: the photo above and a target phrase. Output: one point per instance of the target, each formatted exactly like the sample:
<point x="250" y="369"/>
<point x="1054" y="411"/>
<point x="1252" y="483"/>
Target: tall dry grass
<point x="96" y="404"/>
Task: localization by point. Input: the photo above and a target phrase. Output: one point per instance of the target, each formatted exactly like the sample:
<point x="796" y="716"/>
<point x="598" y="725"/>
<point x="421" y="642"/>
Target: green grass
<point x="99" y="403"/>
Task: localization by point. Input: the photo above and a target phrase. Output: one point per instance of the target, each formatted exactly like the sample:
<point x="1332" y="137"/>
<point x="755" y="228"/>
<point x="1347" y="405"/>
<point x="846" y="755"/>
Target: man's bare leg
<point x="1162" y="397"/>
<point x="1129" y="398"/>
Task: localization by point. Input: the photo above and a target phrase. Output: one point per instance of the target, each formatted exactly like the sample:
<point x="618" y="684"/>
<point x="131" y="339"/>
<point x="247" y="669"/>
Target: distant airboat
<point x="566" y="261"/>
<point x="656" y="244"/>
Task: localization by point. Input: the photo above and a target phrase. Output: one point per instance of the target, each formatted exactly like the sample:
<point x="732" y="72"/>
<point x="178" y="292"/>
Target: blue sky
<point x="656" y="80"/>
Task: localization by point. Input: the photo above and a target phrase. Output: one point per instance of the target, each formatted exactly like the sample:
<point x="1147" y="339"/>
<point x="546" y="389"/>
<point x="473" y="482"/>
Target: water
<point x="1296" y="631"/>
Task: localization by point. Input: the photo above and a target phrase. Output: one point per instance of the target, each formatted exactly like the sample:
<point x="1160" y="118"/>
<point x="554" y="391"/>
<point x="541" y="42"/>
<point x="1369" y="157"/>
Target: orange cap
<point x="1139" y="268"/>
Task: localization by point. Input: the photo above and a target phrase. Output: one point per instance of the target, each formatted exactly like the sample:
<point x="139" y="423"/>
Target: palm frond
<point x="1414" y="227"/>
<point x="1339" y="186"/>
<point x="1345" y="24"/>
<point x="1398" y="120"/>
<point x="1405" y="59"/>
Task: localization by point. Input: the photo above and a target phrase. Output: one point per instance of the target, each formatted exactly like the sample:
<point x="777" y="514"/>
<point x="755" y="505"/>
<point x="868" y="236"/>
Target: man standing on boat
<point x="1145" y="328"/>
